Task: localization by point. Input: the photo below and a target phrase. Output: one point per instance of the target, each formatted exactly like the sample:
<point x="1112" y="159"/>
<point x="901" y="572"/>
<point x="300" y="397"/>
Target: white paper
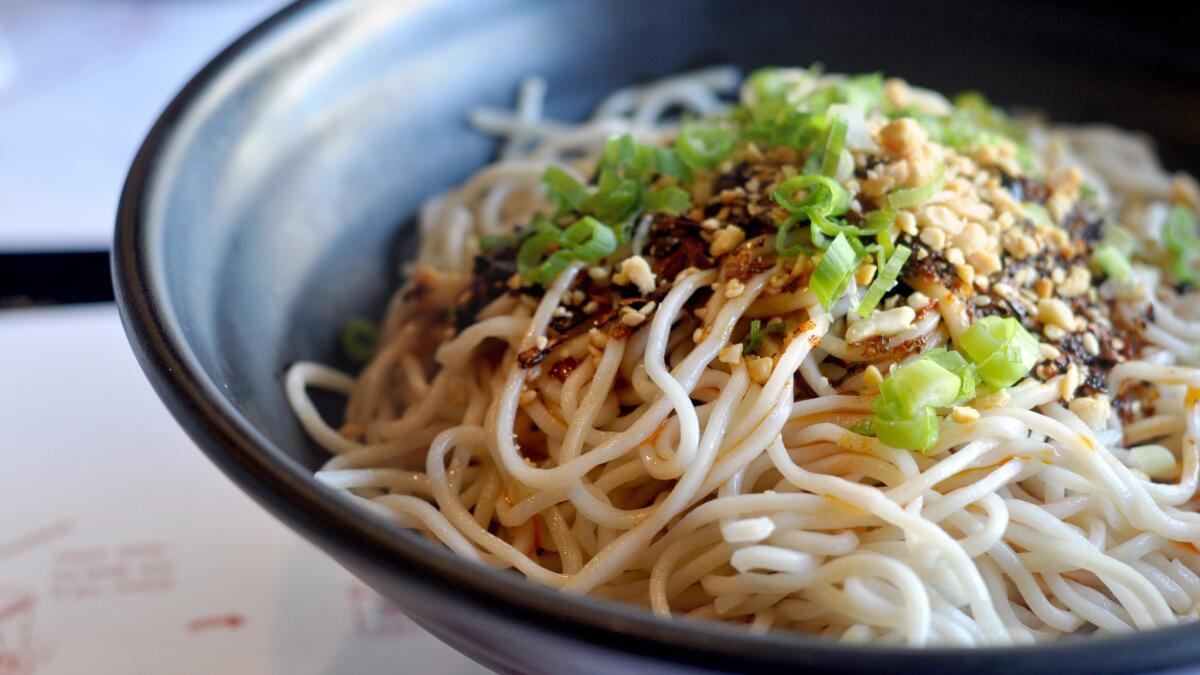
<point x="123" y="550"/>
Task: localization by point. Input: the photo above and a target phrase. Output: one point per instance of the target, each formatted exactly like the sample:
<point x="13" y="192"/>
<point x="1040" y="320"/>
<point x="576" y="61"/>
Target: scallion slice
<point x="825" y="195"/>
<point x="757" y="331"/>
<point x="1182" y="240"/>
<point x="920" y="384"/>
<point x="589" y="240"/>
<point x="835" y="140"/>
<point x="832" y="275"/>
<point x="955" y="363"/>
<point x="1111" y="261"/>
<point x="1003" y="351"/>
<point x="1037" y="214"/>
<point x="493" y="242"/>
<point x="667" y="163"/>
<point x="864" y="427"/>
<point x="545" y="273"/>
<point x="360" y="340"/>
<point x="562" y="186"/>
<point x="918" y="433"/>
<point x="782" y="247"/>
<point x="704" y="147"/>
<point x="545" y="240"/>
<point x="615" y="199"/>
<point x="913" y="197"/>
<point x="885" y="279"/>
<point x="667" y="200"/>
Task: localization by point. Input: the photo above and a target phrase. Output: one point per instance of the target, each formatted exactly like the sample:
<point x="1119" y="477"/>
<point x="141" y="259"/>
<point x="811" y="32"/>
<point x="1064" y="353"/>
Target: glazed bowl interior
<point x="273" y="202"/>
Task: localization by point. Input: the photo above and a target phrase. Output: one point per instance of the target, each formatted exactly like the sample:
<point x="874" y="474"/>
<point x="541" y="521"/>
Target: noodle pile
<point x="632" y="430"/>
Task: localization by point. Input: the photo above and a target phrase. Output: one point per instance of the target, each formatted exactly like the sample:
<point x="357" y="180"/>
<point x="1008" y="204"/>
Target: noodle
<point x="686" y="423"/>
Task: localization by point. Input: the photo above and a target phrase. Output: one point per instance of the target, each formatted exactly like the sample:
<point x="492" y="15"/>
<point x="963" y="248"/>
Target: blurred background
<point x="122" y="549"/>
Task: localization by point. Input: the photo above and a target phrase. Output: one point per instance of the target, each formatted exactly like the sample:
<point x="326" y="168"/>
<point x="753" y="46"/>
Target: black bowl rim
<point x="292" y="495"/>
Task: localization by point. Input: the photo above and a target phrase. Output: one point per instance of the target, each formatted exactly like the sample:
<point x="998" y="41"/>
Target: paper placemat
<point x="123" y="550"/>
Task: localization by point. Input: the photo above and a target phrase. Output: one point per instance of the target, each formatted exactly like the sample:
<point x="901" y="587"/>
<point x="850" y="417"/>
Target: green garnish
<point x="832" y="275"/>
<point x="494" y="242"/>
<point x="919" y="432"/>
<point x="1183" y="241"/>
<point x="754" y="337"/>
<point x="1003" y="351"/>
<point x="563" y="188"/>
<point x="913" y="197"/>
<point x="825" y="195"/>
<point x="1114" y="264"/>
<point x="884" y="281"/>
<point x="549" y="250"/>
<point x="835" y="140"/>
<point x="360" y="340"/>
<point x="704" y="147"/>
<point x="671" y="199"/>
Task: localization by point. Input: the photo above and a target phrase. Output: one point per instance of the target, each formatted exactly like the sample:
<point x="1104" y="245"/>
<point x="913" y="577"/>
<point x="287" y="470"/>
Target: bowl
<point x="273" y="200"/>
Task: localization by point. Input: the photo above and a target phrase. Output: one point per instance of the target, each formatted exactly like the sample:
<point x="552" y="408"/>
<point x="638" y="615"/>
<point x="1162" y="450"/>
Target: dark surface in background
<point x="54" y="278"/>
<point x="1041" y="42"/>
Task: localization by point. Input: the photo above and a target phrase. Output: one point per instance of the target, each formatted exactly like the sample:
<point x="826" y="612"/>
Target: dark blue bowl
<point x="269" y="204"/>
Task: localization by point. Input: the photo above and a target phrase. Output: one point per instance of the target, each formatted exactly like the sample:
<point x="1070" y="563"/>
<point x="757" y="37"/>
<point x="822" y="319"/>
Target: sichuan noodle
<point x="807" y="352"/>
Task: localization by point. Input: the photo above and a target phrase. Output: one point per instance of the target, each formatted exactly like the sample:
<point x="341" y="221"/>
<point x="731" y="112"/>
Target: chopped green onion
<point x="616" y="198"/>
<point x="832" y="275"/>
<point x="754" y="337"/>
<point x="768" y="84"/>
<point x="549" y="270"/>
<point x="493" y="242"/>
<point x="918" y="433"/>
<point x="671" y="200"/>
<point x="1037" y="213"/>
<point x="667" y="163"/>
<point x="589" y="239"/>
<point x="1003" y="351"/>
<point x="920" y="384"/>
<point x="835" y="140"/>
<point x="864" y="427"/>
<point x="955" y="363"/>
<point x="1120" y="239"/>
<point x="913" y="197"/>
<point x="360" y="340"/>
<point x="826" y="195"/>
<point x="621" y="153"/>
<point x="562" y="186"/>
<point x="586" y="240"/>
<point x="884" y="281"/>
<point x="543" y="241"/>
<point x="1109" y="259"/>
<point x="704" y="147"/>
<point x="781" y="238"/>
<point x="905" y="410"/>
<point x="1182" y="240"/>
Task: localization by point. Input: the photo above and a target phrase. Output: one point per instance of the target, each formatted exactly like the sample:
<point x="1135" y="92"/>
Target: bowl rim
<point x="290" y="493"/>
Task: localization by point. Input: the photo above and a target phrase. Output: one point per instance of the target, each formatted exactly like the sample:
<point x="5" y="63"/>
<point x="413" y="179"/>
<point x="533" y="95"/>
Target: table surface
<point x="122" y="549"/>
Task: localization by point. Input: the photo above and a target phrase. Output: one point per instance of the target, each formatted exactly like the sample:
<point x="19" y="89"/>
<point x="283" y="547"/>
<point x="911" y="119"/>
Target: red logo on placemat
<point x="16" y="632"/>
<point x="230" y="621"/>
